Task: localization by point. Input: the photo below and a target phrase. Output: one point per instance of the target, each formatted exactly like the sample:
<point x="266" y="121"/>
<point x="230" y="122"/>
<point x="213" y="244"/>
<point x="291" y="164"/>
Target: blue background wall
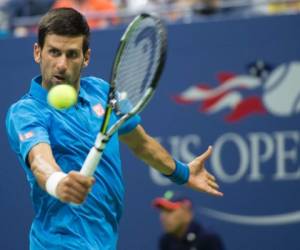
<point x="256" y="158"/>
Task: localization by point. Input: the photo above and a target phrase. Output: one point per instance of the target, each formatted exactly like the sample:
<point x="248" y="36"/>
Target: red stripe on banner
<point x="181" y="100"/>
<point x="225" y="76"/>
<point x="245" y="108"/>
<point x="203" y="86"/>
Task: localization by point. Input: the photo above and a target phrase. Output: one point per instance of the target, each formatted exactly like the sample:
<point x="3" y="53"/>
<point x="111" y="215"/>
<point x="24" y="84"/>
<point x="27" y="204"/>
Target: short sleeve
<point x="25" y="128"/>
<point x="130" y="124"/>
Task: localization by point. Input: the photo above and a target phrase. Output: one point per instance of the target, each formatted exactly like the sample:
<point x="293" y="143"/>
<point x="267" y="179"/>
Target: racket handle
<point x="94" y="156"/>
<point x="90" y="164"/>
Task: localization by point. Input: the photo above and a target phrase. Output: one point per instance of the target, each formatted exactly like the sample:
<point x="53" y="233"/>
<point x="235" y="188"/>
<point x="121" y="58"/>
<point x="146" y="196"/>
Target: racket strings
<point x="138" y="65"/>
<point x="134" y="79"/>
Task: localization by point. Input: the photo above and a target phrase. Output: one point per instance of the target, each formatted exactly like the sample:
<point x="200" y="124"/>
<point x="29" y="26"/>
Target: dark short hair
<point x="65" y="22"/>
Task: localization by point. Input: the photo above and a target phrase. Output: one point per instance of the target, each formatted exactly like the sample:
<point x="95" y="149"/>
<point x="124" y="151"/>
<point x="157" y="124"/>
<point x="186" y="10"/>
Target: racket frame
<point x="95" y="154"/>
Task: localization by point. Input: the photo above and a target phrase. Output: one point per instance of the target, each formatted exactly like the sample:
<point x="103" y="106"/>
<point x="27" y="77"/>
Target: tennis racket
<point x="138" y="64"/>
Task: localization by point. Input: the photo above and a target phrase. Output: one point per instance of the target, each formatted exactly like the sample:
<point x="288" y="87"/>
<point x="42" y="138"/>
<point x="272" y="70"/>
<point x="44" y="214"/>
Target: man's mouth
<point x="59" y="78"/>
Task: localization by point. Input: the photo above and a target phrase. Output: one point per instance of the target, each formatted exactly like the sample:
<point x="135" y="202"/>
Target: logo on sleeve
<point x="26" y="136"/>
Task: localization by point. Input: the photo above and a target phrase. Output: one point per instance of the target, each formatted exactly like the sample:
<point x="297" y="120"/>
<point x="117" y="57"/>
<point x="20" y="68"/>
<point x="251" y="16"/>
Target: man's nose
<point x="62" y="63"/>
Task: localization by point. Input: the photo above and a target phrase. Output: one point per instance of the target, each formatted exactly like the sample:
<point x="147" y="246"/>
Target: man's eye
<point x="54" y="52"/>
<point x="72" y="54"/>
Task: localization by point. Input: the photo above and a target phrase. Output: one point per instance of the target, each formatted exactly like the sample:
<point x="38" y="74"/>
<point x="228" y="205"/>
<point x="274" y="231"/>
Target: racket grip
<point x="90" y="164"/>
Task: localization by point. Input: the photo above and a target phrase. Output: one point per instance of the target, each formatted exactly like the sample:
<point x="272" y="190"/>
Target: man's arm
<point x="151" y="152"/>
<point x="72" y="187"/>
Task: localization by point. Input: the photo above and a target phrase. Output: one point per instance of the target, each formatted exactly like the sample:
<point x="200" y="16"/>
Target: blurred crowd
<point x="20" y="17"/>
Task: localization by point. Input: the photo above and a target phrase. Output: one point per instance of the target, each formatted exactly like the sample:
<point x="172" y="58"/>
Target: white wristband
<point x="52" y="182"/>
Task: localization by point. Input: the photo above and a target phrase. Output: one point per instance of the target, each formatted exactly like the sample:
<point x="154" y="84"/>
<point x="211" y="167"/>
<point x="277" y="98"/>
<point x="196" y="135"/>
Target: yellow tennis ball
<point x="62" y="96"/>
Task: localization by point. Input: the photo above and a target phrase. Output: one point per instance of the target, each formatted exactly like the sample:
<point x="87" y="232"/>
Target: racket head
<point x="138" y="64"/>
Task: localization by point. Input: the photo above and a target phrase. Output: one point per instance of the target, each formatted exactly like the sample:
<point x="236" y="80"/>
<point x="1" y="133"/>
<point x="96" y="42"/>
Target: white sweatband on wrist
<point x="52" y="182"/>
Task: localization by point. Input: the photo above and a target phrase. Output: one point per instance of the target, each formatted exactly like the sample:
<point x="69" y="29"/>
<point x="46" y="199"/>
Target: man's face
<point x="174" y="221"/>
<point x="61" y="60"/>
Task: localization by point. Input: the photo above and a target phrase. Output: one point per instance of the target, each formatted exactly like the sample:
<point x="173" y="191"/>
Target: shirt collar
<point x="40" y="93"/>
<point x="82" y="95"/>
<point x="37" y="91"/>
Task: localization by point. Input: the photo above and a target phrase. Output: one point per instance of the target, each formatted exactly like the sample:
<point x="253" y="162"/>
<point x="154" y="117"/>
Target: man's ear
<point x="87" y="57"/>
<point x="37" y="53"/>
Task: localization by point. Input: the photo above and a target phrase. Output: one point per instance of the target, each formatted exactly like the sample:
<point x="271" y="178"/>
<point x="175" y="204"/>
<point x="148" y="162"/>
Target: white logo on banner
<point x="278" y="94"/>
<point x="267" y="220"/>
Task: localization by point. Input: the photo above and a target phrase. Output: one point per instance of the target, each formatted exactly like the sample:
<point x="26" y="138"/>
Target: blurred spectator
<point x="272" y="7"/>
<point x="136" y="6"/>
<point x="30" y="7"/>
<point x="17" y="10"/>
<point x="99" y="13"/>
<point x="4" y="18"/>
<point x="15" y="14"/>
<point x="284" y="7"/>
<point x="223" y="8"/>
<point x="207" y="7"/>
<point x="182" y="231"/>
<point x="182" y="10"/>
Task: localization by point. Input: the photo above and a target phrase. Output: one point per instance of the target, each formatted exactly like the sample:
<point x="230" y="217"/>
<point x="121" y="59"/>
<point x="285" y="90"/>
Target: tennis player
<point x="51" y="146"/>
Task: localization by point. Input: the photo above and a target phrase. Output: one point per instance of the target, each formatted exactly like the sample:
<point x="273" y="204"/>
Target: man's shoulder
<point x="28" y="107"/>
<point x="94" y="83"/>
<point x="24" y="103"/>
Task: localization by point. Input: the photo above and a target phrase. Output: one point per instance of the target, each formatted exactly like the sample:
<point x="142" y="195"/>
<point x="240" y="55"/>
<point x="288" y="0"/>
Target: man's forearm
<point x="42" y="170"/>
<point x="42" y="163"/>
<point x="149" y="150"/>
<point x="156" y="156"/>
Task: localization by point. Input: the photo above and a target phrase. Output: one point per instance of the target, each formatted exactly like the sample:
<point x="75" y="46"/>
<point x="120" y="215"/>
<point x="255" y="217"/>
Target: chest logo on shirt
<point x="26" y="136"/>
<point x="98" y="109"/>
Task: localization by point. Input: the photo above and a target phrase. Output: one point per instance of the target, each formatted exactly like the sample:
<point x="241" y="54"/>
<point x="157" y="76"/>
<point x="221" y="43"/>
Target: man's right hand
<point x="74" y="188"/>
